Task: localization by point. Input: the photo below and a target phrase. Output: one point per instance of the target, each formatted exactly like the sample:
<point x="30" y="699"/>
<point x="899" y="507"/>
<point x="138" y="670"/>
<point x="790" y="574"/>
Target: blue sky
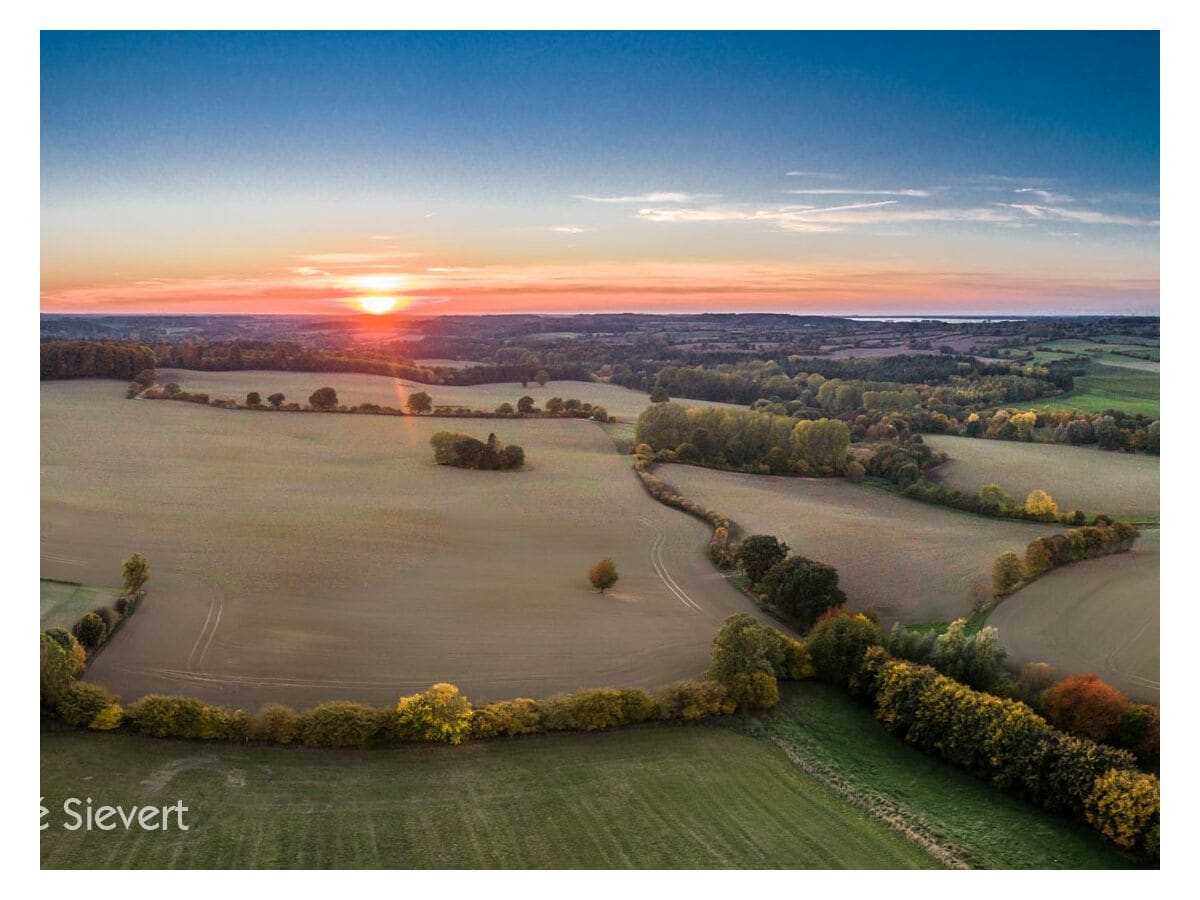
<point x="875" y="158"/>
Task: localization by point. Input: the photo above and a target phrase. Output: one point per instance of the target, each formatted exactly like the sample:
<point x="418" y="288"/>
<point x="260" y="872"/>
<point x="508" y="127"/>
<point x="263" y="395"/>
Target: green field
<point x="718" y="794"/>
<point x="64" y="602"/>
<point x="303" y="558"/>
<point x="1086" y="478"/>
<point x="353" y="389"/>
<point x="1105" y="387"/>
<point x="984" y="827"/>
<point x="695" y="797"/>
<point x="912" y="561"/>
<point x="1098" y="616"/>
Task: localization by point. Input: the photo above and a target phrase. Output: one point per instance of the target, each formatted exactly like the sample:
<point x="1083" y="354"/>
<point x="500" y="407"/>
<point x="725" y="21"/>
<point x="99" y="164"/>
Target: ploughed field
<point x="716" y="794"/>
<point x="300" y="558"/>
<point x="353" y="389"/>
<point x="914" y="562"/>
<point x="1086" y="478"/>
<point x="1100" y="615"/>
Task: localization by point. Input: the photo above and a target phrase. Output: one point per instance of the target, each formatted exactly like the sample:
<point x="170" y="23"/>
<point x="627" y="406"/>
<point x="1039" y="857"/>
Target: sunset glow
<point x="462" y="182"/>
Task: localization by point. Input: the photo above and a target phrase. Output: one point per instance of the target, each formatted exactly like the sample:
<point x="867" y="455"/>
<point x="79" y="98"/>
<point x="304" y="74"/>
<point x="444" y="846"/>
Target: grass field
<point x="912" y="561"/>
<point x="1105" y="387"/>
<point x="353" y="389"/>
<point x="1123" y="484"/>
<point x="64" y="602"/>
<point x="1098" y="616"/>
<point x="302" y="558"/>
<point x="694" y="797"/>
<point x="984" y="827"/>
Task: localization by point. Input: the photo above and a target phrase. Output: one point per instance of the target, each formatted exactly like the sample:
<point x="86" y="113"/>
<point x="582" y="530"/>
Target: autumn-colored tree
<point x="603" y="574"/>
<point x="438" y="714"/>
<point x="1007" y="573"/>
<point x="1086" y="706"/>
<point x="1124" y="807"/>
<point x="419" y="403"/>
<point x="1041" y="504"/>
<point x="135" y="572"/>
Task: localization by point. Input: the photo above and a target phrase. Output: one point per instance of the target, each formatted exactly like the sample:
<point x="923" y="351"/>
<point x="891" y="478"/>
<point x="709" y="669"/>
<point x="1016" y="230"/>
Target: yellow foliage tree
<point x="107" y="719"/>
<point x="1123" y="806"/>
<point x="1041" y="504"/>
<point x="438" y="714"/>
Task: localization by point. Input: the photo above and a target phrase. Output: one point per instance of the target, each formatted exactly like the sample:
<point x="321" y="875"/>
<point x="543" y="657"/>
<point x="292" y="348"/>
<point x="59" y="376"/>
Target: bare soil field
<point x="353" y="389"/>
<point x="1098" y="616"/>
<point x="1121" y="484"/>
<point x="302" y="558"/>
<point x="912" y="561"/>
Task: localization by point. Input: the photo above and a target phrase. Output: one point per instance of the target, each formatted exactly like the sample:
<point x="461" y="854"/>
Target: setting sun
<point x="377" y="306"/>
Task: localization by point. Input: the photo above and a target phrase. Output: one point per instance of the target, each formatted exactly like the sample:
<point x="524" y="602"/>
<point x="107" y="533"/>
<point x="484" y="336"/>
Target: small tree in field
<point x="541" y="377"/>
<point x="323" y="398"/>
<point x="603" y="575"/>
<point x="419" y="403"/>
<point x="136" y="572"/>
<point x="253" y="399"/>
<point x="276" y="400"/>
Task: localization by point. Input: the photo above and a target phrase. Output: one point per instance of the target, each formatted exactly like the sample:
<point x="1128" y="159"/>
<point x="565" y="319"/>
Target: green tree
<point x="744" y="645"/>
<point x="419" y="403"/>
<point x="802" y="590"/>
<point x="525" y="405"/>
<point x="90" y="631"/>
<point x="603" y="574"/>
<point x="1007" y="572"/>
<point x="993" y="500"/>
<point x="276" y="400"/>
<point x="658" y="395"/>
<point x="505" y="409"/>
<point x="822" y="443"/>
<point x="323" y="398"/>
<point x="136" y="572"/>
<point x="253" y="399"/>
<point x="757" y="554"/>
<point x="555" y="406"/>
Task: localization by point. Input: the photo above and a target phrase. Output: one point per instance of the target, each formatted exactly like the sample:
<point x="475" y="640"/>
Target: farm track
<point x="660" y="567"/>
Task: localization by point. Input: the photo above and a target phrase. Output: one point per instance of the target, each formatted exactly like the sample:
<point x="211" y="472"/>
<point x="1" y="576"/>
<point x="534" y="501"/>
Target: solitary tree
<point x="276" y="400"/>
<point x="419" y="403"/>
<point x="541" y="377"/>
<point x="253" y="399"/>
<point x="603" y="575"/>
<point x="323" y="398"/>
<point x="504" y="409"/>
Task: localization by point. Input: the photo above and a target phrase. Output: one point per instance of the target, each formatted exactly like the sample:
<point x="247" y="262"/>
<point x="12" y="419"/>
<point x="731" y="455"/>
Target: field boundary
<point x="895" y="816"/>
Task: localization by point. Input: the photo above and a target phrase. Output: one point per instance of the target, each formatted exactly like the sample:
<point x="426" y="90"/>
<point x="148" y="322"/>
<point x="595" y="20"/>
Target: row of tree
<point x="743" y="440"/>
<point x="1042" y="554"/>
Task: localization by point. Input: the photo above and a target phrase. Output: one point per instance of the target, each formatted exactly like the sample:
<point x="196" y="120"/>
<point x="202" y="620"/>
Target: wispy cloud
<point x="569" y="229"/>
<point x="1082" y="216"/>
<point x="354" y="259"/>
<point x="805" y="173"/>
<point x="828" y="218"/>
<point x="862" y="192"/>
<point x="651" y="197"/>
<point x="1044" y="195"/>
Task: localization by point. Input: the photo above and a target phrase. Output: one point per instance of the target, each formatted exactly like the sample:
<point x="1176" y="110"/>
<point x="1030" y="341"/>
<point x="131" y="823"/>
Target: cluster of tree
<point x="744" y="440"/>
<point x="976" y="659"/>
<point x="95" y="359"/>
<point x="1010" y="571"/>
<point x="453" y="448"/>
<point x="719" y="549"/>
<point x="1113" y="430"/>
<point x="998" y="739"/>
<point x="797" y="589"/>
<point x="556" y="408"/>
<point x="749" y="659"/>
<point x="64" y="656"/>
<point x="93" y="629"/>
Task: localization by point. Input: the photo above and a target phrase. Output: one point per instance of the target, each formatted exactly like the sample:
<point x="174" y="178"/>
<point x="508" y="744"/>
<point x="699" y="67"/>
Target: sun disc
<point x="377" y="306"/>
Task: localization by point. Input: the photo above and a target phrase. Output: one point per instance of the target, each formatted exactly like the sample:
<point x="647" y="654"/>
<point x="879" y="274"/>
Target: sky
<point x="488" y="172"/>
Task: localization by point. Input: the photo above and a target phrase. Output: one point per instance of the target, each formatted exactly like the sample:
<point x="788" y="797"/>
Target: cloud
<point x="569" y="229"/>
<point x="1044" y="195"/>
<point x="804" y="173"/>
<point x="826" y="219"/>
<point x="651" y="197"/>
<point x="1082" y="216"/>
<point x="906" y="192"/>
